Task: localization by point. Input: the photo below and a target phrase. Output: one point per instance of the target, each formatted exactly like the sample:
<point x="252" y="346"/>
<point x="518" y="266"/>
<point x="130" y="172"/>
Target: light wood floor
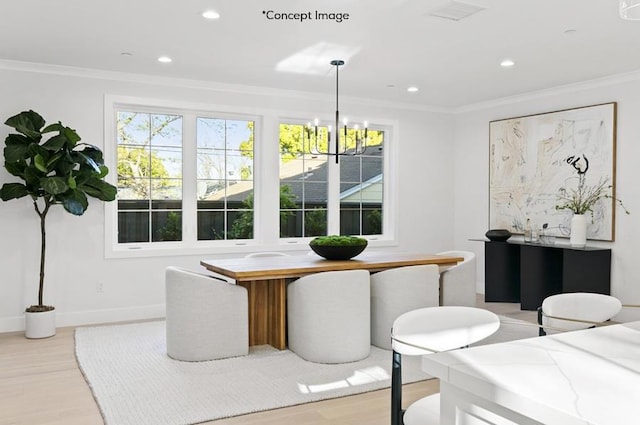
<point x="40" y="384"/>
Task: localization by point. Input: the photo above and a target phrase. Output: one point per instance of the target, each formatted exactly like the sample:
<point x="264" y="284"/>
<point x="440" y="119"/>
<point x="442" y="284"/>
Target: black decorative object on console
<point x="498" y="235"/>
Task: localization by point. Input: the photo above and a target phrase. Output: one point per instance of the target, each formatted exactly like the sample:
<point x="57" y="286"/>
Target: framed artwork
<point x="535" y="157"/>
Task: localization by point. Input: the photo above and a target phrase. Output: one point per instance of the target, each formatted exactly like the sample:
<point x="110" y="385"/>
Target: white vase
<point x="40" y="324"/>
<point x="578" y="230"/>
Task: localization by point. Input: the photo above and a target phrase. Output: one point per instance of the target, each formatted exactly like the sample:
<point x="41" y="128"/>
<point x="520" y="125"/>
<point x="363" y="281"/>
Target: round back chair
<point x="430" y="330"/>
<point x="576" y="310"/>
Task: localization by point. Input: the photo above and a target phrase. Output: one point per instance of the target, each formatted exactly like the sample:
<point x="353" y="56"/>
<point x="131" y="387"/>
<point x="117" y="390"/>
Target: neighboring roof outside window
<point x="237" y="191"/>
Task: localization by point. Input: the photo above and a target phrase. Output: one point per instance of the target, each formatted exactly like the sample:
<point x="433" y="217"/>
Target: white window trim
<point x="266" y="183"/>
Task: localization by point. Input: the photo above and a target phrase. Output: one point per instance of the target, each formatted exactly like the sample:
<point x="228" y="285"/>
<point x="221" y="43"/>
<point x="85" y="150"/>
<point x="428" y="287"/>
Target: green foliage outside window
<point x="136" y="166"/>
<point x="242" y="227"/>
<point x="294" y="143"/>
<point x="172" y="230"/>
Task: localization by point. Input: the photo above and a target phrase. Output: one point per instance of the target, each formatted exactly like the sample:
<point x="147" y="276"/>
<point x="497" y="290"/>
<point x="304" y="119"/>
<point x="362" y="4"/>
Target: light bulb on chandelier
<point x="315" y="135"/>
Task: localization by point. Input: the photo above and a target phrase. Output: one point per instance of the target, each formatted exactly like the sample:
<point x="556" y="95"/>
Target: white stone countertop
<point x="581" y="377"/>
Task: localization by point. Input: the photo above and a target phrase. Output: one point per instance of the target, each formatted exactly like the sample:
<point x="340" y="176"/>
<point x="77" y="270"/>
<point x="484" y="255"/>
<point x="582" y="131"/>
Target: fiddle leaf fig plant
<point x="54" y="169"/>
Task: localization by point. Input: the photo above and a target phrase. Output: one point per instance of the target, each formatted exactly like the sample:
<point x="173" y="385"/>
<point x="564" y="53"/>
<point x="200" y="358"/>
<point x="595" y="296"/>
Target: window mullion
<point x="189" y="180"/>
<point x="150" y="183"/>
<point x="266" y="180"/>
<point x="333" y="197"/>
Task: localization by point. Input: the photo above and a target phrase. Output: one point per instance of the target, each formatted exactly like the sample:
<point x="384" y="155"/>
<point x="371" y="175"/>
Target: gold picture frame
<point x="533" y="157"/>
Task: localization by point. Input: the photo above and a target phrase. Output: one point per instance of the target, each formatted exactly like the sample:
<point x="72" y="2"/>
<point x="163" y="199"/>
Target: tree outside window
<point x="304" y="170"/>
<point x="151" y="149"/>
<point x="149" y="168"/>
<point x="150" y="178"/>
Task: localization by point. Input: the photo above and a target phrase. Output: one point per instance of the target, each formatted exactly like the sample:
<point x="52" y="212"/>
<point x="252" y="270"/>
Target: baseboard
<point x="12" y="324"/>
<point x="16" y="323"/>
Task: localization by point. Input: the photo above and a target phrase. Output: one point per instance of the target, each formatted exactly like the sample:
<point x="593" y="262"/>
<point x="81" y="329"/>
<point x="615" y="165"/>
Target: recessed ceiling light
<point x="507" y="63"/>
<point x="164" y="59"/>
<point x="570" y="31"/>
<point x="412" y="89"/>
<point x="210" y="14"/>
<point x="126" y="54"/>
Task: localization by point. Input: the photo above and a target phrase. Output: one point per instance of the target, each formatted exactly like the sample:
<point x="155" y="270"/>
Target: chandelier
<point x="357" y="135"/>
<point x="630" y="9"/>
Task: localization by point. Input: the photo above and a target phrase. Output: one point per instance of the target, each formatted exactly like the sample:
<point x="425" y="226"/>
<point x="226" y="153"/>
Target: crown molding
<point x="78" y="72"/>
<point x="552" y="91"/>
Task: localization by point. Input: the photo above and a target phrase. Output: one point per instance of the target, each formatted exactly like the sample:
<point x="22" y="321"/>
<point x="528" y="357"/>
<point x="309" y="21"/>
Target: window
<point x="152" y="149"/>
<point x="305" y="174"/>
<point x="303" y="186"/>
<point x="187" y="184"/>
<point x="361" y="191"/>
<point x="149" y="177"/>
<point x="225" y="178"/>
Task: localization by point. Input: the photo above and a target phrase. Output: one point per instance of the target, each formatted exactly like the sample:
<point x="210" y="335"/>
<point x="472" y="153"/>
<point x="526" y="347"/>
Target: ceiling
<point x="387" y="45"/>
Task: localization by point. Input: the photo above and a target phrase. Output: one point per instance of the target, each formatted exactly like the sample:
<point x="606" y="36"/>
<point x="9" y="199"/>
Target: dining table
<point x="265" y="279"/>
<point x="586" y="377"/>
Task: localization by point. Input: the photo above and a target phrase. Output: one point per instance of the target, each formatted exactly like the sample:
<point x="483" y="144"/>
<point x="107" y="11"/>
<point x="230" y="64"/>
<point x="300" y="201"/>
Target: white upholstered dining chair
<point x="397" y="291"/>
<point x="426" y="331"/>
<point x="329" y="316"/>
<point x="458" y="283"/>
<point x="207" y="318"/>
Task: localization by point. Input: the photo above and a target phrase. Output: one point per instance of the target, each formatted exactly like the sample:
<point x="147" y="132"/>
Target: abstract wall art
<point x="533" y="158"/>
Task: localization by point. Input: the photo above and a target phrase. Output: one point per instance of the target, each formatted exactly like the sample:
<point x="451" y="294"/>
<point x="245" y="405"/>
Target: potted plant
<point x="55" y="170"/>
<point x="336" y="247"/>
<point x="582" y="199"/>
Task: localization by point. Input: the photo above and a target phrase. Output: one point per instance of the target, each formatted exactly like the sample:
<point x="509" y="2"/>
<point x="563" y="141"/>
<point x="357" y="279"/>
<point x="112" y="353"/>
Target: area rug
<point x="135" y="383"/>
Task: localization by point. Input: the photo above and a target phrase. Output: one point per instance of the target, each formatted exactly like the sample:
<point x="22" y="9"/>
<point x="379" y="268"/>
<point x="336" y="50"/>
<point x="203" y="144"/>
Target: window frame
<point x="225" y="210"/>
<point x="150" y="209"/>
<point x="190" y="113"/>
<point x="265" y="178"/>
<point x="389" y="198"/>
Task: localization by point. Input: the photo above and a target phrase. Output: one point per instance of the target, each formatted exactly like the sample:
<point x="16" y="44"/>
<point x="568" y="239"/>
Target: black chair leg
<point x="396" y="390"/>
<point x="541" y="331"/>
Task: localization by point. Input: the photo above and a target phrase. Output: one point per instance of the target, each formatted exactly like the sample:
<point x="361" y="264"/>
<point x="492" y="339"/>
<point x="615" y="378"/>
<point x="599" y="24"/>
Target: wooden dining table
<point x="265" y="279"/>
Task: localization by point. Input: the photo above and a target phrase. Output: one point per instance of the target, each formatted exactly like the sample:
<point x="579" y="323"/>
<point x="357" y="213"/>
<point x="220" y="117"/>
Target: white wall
<point x="134" y="288"/>
<point x="471" y="180"/>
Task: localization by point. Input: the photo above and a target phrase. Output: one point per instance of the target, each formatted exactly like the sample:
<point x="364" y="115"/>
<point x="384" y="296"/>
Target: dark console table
<point x="528" y="273"/>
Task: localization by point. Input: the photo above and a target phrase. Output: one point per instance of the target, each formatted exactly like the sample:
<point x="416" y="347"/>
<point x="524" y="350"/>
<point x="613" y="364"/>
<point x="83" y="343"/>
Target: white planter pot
<point x="40" y="325"/>
<point x="578" y="230"/>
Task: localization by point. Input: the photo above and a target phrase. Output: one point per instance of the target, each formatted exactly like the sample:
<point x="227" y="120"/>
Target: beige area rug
<point x="135" y="383"/>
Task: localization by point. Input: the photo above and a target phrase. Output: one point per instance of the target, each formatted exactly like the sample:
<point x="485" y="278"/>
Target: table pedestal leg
<point x="267" y="312"/>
